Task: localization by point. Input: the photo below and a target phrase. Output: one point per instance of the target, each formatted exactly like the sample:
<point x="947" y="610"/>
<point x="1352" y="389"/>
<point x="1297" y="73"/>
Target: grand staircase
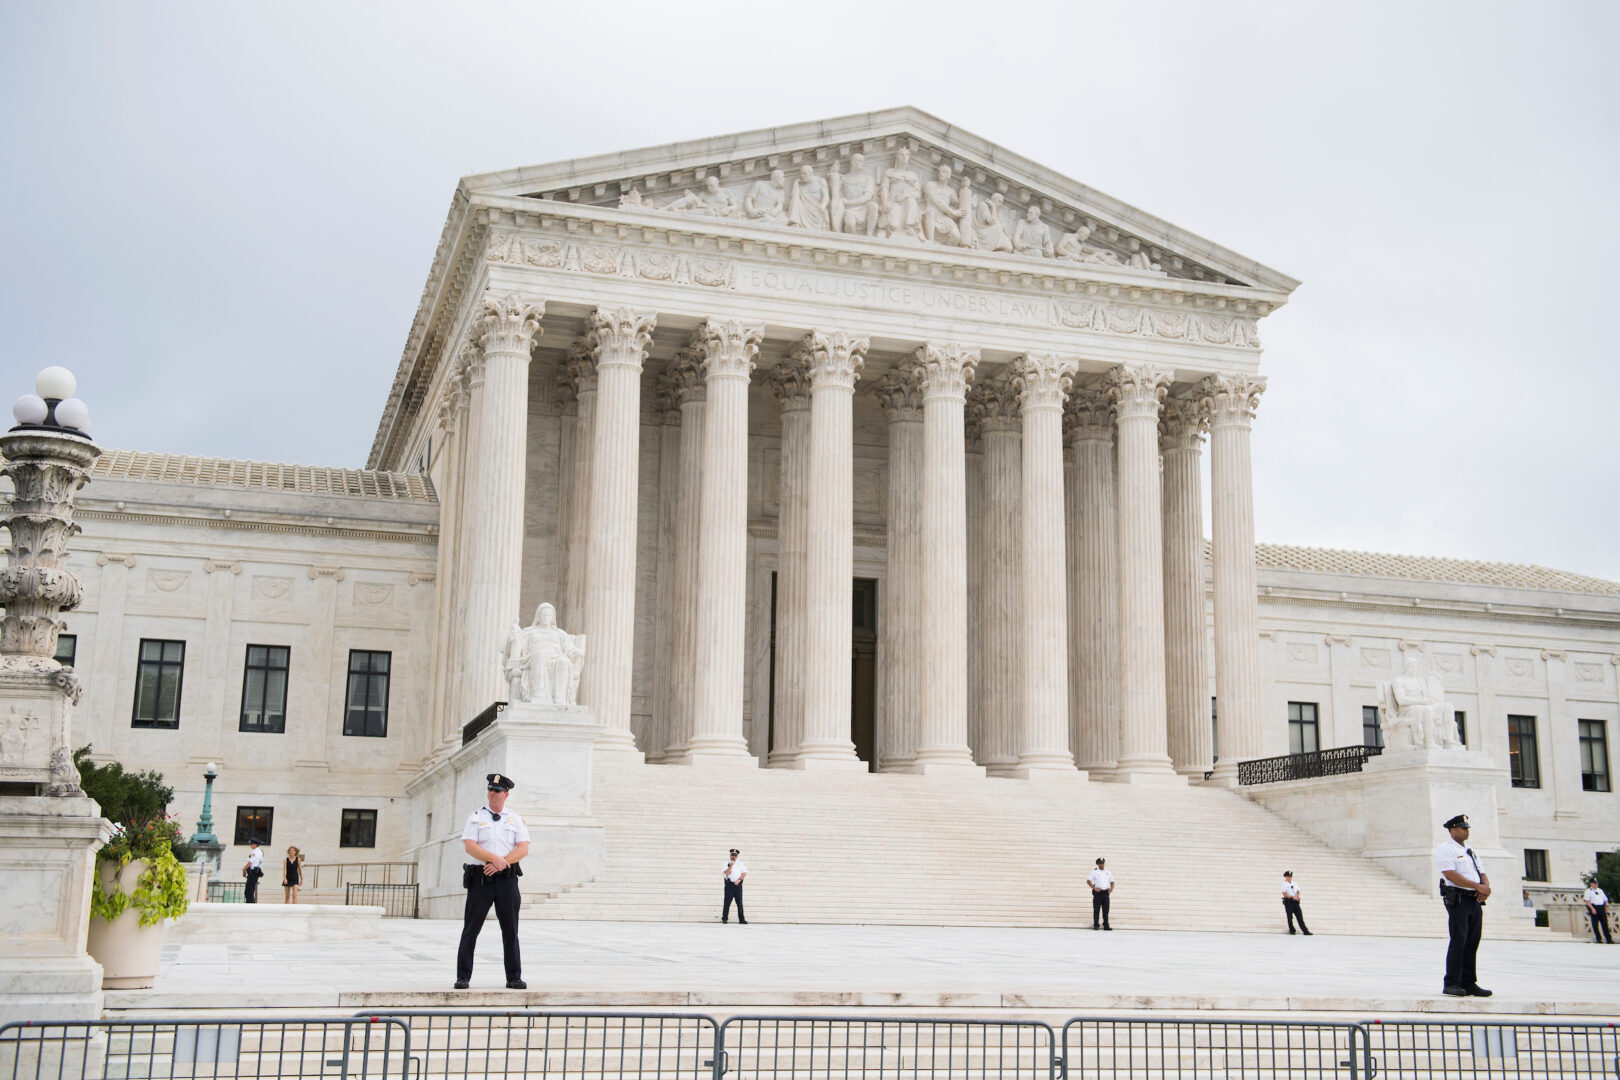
<point x="829" y="847"/>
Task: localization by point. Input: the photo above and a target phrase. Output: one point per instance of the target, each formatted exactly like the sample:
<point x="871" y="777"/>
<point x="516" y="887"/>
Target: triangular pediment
<point x="899" y="176"/>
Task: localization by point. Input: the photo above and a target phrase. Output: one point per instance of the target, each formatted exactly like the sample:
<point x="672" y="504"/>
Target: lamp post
<point x="203" y="840"/>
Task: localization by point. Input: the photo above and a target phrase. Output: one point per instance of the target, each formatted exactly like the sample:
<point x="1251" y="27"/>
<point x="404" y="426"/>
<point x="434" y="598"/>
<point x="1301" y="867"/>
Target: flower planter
<point x="128" y="952"/>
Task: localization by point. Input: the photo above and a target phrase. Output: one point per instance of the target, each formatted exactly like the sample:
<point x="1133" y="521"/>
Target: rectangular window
<point x="1524" y="765"/>
<point x="1302" y="728"/>
<point x="1535" y="864"/>
<point x="366" y="712"/>
<point x="67" y="648"/>
<point x="1594" y="756"/>
<point x="359" y="829"/>
<point x="157" y="684"/>
<point x="1371" y="733"/>
<point x="264" y="689"/>
<point x="253" y="823"/>
<point x="1462" y="726"/>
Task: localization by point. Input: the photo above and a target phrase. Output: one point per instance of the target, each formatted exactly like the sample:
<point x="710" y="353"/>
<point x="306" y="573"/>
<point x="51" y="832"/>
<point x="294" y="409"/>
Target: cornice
<point x="237" y="524"/>
<point x="1408" y="606"/>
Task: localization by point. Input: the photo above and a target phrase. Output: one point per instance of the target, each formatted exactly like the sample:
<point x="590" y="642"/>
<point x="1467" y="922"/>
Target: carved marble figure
<point x="713" y="200"/>
<point x="807" y="208"/>
<point x="943" y="214"/>
<point x="854" y="198"/>
<point x="989" y="232"/>
<point x="542" y="662"/>
<point x="767" y="199"/>
<point x="1415" y="713"/>
<point x="901" y="199"/>
<point x="1031" y="235"/>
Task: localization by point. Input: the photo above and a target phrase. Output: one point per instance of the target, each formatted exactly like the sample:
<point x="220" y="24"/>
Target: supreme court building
<point x="863" y="444"/>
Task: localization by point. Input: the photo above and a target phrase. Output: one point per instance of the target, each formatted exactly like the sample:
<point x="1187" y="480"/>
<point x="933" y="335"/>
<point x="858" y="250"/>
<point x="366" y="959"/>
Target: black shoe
<point x="725" y="920"/>
<point x="1476" y="990"/>
<point x="516" y="984"/>
<point x="461" y="984"/>
<point x="1096" y="928"/>
<point x="742" y="922"/>
<point x="1108" y="928"/>
<point x="1290" y="933"/>
<point x="1455" y="991"/>
<point x="1307" y="933"/>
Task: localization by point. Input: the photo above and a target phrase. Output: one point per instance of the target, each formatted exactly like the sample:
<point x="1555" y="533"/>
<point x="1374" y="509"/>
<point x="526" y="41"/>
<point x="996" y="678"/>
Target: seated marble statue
<point x="542" y="662"/>
<point x="1415" y="714"/>
<point x="808" y="205"/>
<point x="1031" y="236"/>
<point x="854" y="199"/>
<point x="941" y="212"/>
<point x="713" y="200"/>
<point x="989" y="234"/>
<point x="767" y="200"/>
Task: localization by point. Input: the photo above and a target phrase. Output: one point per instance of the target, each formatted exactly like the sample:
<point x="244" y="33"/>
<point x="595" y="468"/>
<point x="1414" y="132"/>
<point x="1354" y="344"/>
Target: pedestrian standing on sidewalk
<point x="1290" y="897"/>
<point x="1597" y="909"/>
<point x="1102" y="891"/>
<point x="735" y="872"/>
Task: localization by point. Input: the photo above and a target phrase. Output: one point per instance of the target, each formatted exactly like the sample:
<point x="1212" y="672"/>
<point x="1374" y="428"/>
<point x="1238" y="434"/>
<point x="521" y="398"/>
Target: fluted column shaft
<point x="1137" y="390"/>
<point x="1095" y="597"/>
<point x="790" y="382"/>
<point x="1232" y="400"/>
<point x="582" y="368"/>
<point x="834" y="362"/>
<point x="446" y="712"/>
<point x="946" y="371"/>
<point x="688" y="380"/>
<point x="728" y="350"/>
<point x="901" y="398"/>
<point x="494" y="550"/>
<point x="1043" y="745"/>
<point x="619" y="341"/>
<point x="1186" y="668"/>
<point x="994" y="404"/>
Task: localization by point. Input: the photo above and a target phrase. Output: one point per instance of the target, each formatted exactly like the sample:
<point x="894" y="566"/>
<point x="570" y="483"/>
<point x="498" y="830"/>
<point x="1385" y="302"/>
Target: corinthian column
<point x="582" y="370"/>
<point x="1137" y="390"/>
<point x="1094" y="614"/>
<point x="1043" y="745"/>
<point x="686" y="379"/>
<point x="1232" y="400"/>
<point x="1186" y="669"/>
<point x="728" y="350"/>
<point x="494" y="551"/>
<point x="993" y="405"/>
<point x="790" y="381"/>
<point x="619" y="340"/>
<point x="900" y="394"/>
<point x="946" y="371"/>
<point x="834" y="362"/>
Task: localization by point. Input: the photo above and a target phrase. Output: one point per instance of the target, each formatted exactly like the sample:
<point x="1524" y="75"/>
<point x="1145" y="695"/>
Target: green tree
<point x="138" y="803"/>
<point x="132" y="799"/>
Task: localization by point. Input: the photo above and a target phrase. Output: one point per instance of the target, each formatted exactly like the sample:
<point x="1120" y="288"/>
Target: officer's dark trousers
<point x="1466" y="920"/>
<point x="1600" y="923"/>
<point x="1291" y="907"/>
<point x="733" y="892"/>
<point x="250" y="890"/>
<point x="1099" y="907"/>
<point x="503" y="893"/>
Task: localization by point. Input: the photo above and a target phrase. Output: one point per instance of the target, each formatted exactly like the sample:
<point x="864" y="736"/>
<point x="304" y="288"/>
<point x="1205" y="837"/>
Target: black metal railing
<point x="1335" y="762"/>
<point x="1442" y="1049"/>
<point x="397" y="901"/>
<point x="1163" y="1049"/>
<point x="227" y="892"/>
<point x="775" y="1047"/>
<point x="475" y="727"/>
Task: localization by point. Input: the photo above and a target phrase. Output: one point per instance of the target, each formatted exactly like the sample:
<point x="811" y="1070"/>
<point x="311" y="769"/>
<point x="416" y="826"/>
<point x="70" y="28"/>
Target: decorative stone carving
<point x="1137" y="389"/>
<point x="167" y="580"/>
<point x="766" y="200"/>
<point x="900" y="200"/>
<point x="790" y="382"/>
<point x="620" y="337"/>
<point x="899" y="391"/>
<point x="809" y="205"/>
<point x="271" y="588"/>
<point x="831" y="359"/>
<point x="728" y="348"/>
<point x="712" y="201"/>
<point x="1089" y="414"/>
<point x="1232" y="399"/>
<point x="509" y="324"/>
<point x="373" y="592"/>
<point x="853" y="198"/>
<point x="945" y="370"/>
<point x="989" y="231"/>
<point x="542" y="662"/>
<point x="945" y="214"/>
<point x="1031" y="237"/>
<point x="992" y="403"/>
<point x="1415" y="713"/>
<point x="1043" y="379"/>
<point x="1182" y="423"/>
<point x="45" y="471"/>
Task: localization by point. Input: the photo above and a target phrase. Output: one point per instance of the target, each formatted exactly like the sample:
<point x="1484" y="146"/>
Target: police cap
<point x="1458" y="822"/>
<point x="497" y="782"/>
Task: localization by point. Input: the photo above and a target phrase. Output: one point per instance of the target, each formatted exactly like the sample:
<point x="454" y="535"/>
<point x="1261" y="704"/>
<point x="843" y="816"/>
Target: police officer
<point x="1291" y="908"/>
<point x="1102" y="891"/>
<point x="498" y="839"/>
<point x="1464" y="888"/>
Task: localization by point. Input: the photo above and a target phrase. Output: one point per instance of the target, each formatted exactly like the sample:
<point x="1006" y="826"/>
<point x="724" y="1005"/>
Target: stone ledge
<point x="208" y="924"/>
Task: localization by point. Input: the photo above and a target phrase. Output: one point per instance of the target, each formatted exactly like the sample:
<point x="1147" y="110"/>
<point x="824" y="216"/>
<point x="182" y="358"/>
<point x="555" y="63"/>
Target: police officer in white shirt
<point x="1290" y="898"/>
<point x="1464" y="887"/>
<point x="1102" y="889"/>
<point x="736" y="870"/>
<point x="253" y="872"/>
<point x="1597" y="909"/>
<point x="498" y="839"/>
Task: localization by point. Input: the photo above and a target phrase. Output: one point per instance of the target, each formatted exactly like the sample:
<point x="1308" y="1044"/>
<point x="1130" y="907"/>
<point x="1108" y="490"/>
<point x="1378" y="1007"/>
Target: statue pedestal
<point x="547" y="750"/>
<point x="48" y="850"/>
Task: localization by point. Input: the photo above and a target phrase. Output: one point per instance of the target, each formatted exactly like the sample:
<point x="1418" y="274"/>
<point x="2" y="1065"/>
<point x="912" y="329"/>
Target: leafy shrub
<point x="136" y="803"/>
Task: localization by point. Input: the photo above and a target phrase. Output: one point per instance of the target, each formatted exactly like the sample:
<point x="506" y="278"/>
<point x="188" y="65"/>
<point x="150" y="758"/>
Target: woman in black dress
<point x="292" y="874"/>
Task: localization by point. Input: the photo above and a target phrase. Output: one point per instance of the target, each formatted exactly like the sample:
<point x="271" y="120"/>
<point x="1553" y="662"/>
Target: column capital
<point x="1043" y="380"/>
<point x="666" y="394"/>
<point x="728" y="348"/>
<point x="832" y="359"/>
<point x="946" y="370"/>
<point x="1182" y="423"/>
<point x="1137" y="389"/>
<point x="620" y="338"/>
<point x="1232" y="399"/>
<point x="581" y="367"/>
<point x="1089" y="415"/>
<point x="992" y="403"/>
<point x="790" y="382"/>
<point x="899" y="392"/>
<point x="509" y="323"/>
<point x="685" y="375"/>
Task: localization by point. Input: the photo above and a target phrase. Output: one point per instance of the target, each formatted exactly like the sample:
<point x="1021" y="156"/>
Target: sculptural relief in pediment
<point x="894" y="196"/>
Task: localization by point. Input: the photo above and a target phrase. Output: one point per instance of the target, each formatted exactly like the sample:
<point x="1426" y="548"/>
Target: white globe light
<point x="29" y="409"/>
<point x="212" y="767"/>
<point x="55" y="382"/>
<point x="73" y="413"/>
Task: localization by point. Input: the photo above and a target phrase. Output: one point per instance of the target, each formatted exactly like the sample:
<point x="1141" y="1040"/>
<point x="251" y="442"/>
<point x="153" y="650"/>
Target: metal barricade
<point x="463" y="1044"/>
<point x="226" y="892"/>
<point x="1434" y="1049"/>
<point x="397" y="901"/>
<point x="343" y="1048"/>
<point x="781" y="1047"/>
<point x="1156" y="1048"/>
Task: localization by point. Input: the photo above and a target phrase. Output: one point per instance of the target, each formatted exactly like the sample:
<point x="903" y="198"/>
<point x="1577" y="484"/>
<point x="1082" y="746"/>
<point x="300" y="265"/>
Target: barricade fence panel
<point x="1153" y="1049"/>
<point x="220" y="1049"/>
<point x="779" y="1047"/>
<point x="1438" y="1049"/>
<point x="460" y="1044"/>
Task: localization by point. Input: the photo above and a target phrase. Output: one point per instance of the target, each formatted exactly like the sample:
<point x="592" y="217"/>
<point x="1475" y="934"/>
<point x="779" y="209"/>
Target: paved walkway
<point x="760" y="966"/>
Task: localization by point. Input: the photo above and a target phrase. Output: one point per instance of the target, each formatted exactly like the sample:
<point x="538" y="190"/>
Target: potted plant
<point x="139" y="877"/>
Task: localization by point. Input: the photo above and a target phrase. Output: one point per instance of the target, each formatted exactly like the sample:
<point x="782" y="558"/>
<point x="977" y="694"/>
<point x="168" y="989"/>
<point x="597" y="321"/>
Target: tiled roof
<point x="260" y="476"/>
<point x="1427" y="568"/>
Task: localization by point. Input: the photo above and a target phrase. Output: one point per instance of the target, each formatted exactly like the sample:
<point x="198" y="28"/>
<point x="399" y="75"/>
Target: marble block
<point x="261" y="924"/>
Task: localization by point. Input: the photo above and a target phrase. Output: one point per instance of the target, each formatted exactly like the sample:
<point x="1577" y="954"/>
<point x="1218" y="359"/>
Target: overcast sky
<point x="221" y="216"/>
